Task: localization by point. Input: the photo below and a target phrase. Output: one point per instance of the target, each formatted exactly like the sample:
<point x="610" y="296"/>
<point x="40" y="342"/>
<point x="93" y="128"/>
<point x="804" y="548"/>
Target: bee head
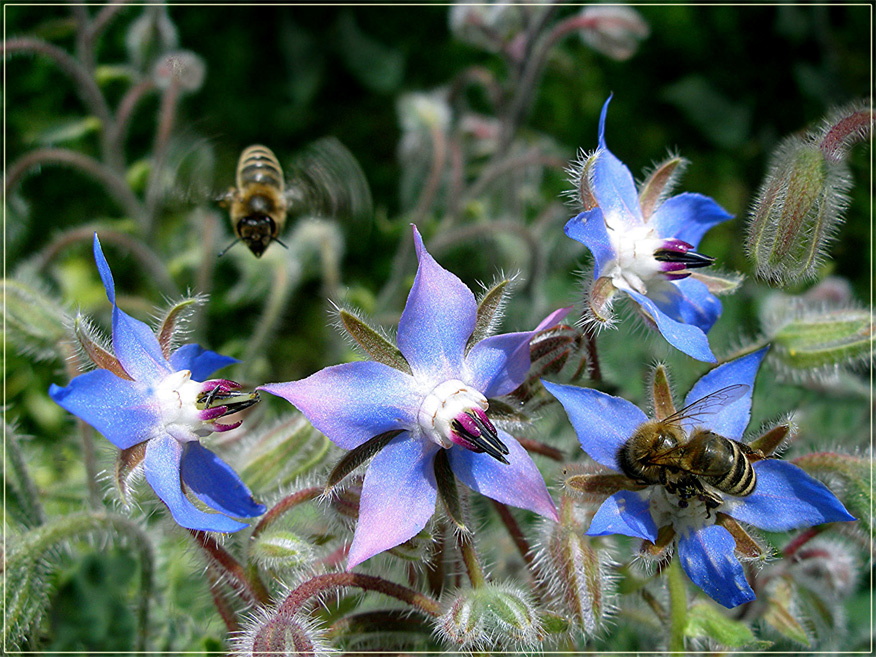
<point x="256" y="231"/>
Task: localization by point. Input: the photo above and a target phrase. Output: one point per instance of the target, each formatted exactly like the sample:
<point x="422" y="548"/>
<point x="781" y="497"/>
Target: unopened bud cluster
<point x="491" y="615"/>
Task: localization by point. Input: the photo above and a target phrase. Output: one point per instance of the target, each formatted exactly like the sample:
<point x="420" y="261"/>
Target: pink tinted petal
<point x="437" y="321"/>
<point x="353" y="402"/>
<point x="784" y="498"/>
<point x="707" y="556"/>
<point x="124" y="412"/>
<point x="626" y="513"/>
<point x="161" y="466"/>
<point x="500" y="363"/>
<point x="398" y="497"/>
<point x="602" y="422"/>
<point x="613" y="184"/>
<point x="134" y="343"/>
<point x="518" y="483"/>
<point x="730" y="420"/>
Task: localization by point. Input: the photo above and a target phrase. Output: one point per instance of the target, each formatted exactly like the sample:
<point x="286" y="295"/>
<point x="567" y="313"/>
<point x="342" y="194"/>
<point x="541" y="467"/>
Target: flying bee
<point x="326" y="180"/>
<point x="662" y="452"/>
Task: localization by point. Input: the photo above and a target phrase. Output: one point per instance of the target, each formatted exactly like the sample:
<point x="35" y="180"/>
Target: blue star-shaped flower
<point x="649" y="256"/>
<point x="162" y="403"/>
<point x="784" y="498"/>
<point x="441" y="404"/>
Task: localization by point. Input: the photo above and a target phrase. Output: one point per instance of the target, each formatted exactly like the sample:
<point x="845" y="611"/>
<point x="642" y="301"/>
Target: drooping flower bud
<point x="614" y="31"/>
<point x="150" y="35"/>
<point x="183" y="67"/>
<point x="492" y="615"/>
<point x="802" y="199"/>
<point x="830" y="566"/>
<point x="278" y="548"/>
<point x="35" y="322"/>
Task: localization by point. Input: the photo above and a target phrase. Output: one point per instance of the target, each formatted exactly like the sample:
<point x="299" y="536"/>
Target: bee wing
<point x="709" y="404"/>
<point x="326" y="180"/>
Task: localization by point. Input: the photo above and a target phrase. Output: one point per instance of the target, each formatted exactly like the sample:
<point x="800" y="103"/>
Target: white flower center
<point x="684" y="515"/>
<point x="446" y="402"/>
<point x="177" y="395"/>
<point x="634" y="264"/>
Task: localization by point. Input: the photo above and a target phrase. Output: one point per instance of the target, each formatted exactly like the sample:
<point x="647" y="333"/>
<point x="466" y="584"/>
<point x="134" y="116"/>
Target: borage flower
<point x="155" y="406"/>
<point x="702" y="517"/>
<point x="644" y="246"/>
<point x="426" y="412"/>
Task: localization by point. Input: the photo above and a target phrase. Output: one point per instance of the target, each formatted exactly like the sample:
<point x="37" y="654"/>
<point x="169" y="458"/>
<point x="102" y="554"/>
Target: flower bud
<point x="275" y="633"/>
<point x="492" y="615"/>
<point x="797" y="211"/>
<point x="183" y="67"/>
<point x="614" y="31"/>
<point x="828" y="566"/>
<point x="577" y="575"/>
<point x="277" y="548"/>
<point x="812" y="338"/>
<point x="150" y="35"/>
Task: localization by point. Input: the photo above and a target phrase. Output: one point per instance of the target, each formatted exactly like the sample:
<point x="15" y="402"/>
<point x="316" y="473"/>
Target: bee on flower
<point x="681" y="500"/>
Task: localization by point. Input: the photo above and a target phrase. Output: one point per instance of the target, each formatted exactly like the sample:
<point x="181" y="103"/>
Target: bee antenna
<point x="281" y="244"/>
<point x="225" y="250"/>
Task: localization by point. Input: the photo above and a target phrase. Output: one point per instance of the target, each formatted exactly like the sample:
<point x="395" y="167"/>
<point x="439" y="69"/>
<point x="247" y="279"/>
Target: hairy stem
<point x="284" y="505"/>
<point x="248" y="585"/>
<point x="150" y="262"/>
<point x="329" y="581"/>
<point x="470" y="558"/>
<point x="115" y="185"/>
<point x="28" y="490"/>
<point x="223" y="604"/>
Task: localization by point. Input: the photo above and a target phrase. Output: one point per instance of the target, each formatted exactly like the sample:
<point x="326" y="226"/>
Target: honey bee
<point x="326" y="180"/>
<point x="661" y="452"/>
<point x="258" y="204"/>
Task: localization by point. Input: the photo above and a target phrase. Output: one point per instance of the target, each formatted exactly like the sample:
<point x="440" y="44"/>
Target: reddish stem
<point x="223" y="605"/>
<point x="800" y="540"/>
<point x="540" y="448"/>
<point x="251" y="588"/>
<point x="288" y="502"/>
<point x="323" y="583"/>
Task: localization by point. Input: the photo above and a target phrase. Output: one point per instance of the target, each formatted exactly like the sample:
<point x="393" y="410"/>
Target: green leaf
<point x="67" y="131"/>
<point x="375" y="345"/>
<point x="705" y="621"/>
<point x="825" y="340"/>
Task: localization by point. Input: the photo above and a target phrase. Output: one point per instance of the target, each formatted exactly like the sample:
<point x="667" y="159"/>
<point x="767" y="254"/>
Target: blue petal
<point x="730" y="420"/>
<point x="613" y="184"/>
<point x="162" y="466"/>
<point x="627" y="513"/>
<point x="398" y="497"/>
<point x="518" y="482"/>
<point x="589" y="229"/>
<point x="707" y="556"/>
<point x="785" y="498"/>
<point x="603" y="423"/>
<point x="124" y="412"/>
<point x="687" y="217"/>
<point x="134" y="343"/>
<point x="687" y="301"/>
<point x="216" y="484"/>
<point x="498" y="364"/>
<point x="687" y="338"/>
<point x="353" y="402"/>
<point x="201" y="362"/>
<point x="437" y="321"/>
